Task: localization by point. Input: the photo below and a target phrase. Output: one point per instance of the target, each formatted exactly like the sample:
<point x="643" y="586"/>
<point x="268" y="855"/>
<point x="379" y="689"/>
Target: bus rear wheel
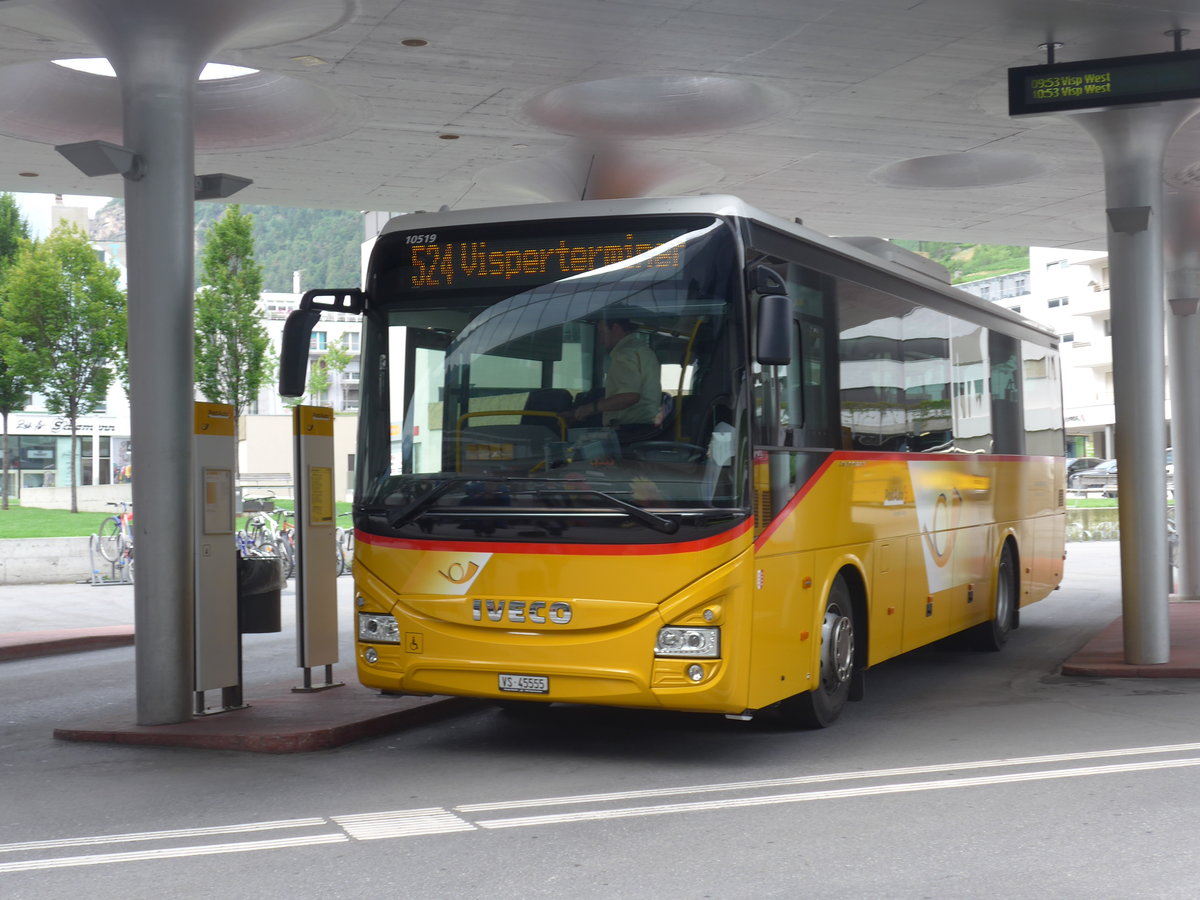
<point x="822" y="705"/>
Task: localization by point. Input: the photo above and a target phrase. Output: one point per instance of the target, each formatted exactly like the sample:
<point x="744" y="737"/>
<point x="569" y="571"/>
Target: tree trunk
<point x="74" y="459"/>
<point x="4" y="476"/>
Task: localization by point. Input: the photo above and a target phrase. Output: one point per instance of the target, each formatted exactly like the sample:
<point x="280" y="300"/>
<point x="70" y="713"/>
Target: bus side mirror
<point x="293" y="352"/>
<point x="774" y="330"/>
<point x="297" y="333"/>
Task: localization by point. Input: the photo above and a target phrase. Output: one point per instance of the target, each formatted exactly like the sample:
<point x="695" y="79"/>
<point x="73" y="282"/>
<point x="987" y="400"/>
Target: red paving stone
<point x="1104" y="655"/>
<point x="281" y="722"/>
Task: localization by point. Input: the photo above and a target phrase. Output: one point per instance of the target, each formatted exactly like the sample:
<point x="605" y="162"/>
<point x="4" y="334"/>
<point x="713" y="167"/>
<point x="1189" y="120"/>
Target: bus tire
<point x="821" y="706"/>
<point x="993" y="635"/>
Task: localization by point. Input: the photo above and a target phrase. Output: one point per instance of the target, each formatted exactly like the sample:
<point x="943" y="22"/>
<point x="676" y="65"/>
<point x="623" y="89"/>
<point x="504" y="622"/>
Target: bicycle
<point x="271" y="536"/>
<point x="114" y="539"/>
<point x="116" y="533"/>
<point x="344" y="538"/>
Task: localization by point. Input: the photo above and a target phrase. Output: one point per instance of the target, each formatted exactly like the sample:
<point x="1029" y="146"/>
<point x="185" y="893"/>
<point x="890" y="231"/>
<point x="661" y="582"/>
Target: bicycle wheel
<point x="340" y="565"/>
<point x="110" y="538"/>
<point x="287" y="552"/>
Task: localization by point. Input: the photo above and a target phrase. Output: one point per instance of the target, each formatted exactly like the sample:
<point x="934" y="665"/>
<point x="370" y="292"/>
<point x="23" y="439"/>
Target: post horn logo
<point x="458" y="573"/>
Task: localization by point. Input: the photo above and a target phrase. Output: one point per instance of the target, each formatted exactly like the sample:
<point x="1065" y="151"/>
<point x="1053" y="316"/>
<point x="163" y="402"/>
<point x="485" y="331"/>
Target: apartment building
<point x="1067" y="291"/>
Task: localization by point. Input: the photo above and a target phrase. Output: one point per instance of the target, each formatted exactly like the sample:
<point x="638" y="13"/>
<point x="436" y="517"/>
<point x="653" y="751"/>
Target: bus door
<point x="796" y="421"/>
<point x="418" y="359"/>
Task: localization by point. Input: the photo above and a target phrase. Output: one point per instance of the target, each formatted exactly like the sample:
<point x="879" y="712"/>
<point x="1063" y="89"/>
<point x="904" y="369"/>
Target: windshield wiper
<point x="658" y="523"/>
<point x="418" y="505"/>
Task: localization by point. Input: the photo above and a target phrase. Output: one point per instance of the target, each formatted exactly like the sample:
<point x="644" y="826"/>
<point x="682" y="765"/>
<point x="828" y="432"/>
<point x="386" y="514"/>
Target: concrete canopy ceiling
<point x="884" y="117"/>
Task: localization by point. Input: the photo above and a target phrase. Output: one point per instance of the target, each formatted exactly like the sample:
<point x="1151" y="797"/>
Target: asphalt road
<point x="961" y="775"/>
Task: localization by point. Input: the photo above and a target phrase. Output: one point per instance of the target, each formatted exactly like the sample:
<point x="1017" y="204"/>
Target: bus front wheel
<point x="822" y="705"/>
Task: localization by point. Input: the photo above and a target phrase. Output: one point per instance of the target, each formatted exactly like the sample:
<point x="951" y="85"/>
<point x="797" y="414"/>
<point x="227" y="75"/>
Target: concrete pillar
<point x="1133" y="141"/>
<point x="1182" y="243"/>
<point x="158" y="50"/>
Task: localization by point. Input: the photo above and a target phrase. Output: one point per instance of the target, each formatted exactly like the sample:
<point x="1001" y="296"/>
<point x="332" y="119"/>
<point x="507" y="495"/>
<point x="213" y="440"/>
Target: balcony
<point x="1093" y="354"/>
<point x="1091" y="303"/>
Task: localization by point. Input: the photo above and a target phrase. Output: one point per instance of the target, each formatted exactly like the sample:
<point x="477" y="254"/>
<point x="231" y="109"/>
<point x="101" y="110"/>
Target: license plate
<point x="525" y="684"/>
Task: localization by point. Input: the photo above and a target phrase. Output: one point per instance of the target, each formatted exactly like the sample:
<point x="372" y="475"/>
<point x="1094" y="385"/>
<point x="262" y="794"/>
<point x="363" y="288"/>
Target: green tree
<point x="63" y="322"/>
<point x="14" y="390"/>
<point x="233" y="356"/>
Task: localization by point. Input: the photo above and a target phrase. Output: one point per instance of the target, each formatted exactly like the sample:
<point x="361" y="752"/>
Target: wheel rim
<point x="1004" y="597"/>
<point x="837" y="641"/>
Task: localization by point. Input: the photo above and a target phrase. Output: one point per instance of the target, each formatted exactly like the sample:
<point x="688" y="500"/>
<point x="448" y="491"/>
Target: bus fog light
<point x="378" y="629"/>
<point x="695" y="672"/>
<point x="698" y="642"/>
<point x="371" y="655"/>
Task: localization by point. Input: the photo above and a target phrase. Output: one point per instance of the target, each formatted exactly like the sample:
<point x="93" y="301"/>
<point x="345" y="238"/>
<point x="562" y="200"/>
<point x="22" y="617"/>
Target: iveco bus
<point x="836" y="457"/>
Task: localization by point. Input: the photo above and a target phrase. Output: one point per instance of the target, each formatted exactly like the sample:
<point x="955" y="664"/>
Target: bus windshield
<point x="549" y="379"/>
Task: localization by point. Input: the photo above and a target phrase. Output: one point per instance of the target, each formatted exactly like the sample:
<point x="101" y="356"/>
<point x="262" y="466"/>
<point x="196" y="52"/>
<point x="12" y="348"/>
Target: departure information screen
<point x="1097" y="83"/>
<point x="480" y="256"/>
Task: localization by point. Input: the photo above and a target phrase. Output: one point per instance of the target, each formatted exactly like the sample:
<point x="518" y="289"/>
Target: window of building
<point x="318" y="341"/>
<point x="1107" y="327"/>
<point x="1068" y="337"/>
<point x="350" y="341"/>
<point x="1057" y="301"/>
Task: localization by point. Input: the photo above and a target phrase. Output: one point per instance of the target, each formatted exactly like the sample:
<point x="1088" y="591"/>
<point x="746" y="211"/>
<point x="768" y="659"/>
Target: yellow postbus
<point x="680" y="454"/>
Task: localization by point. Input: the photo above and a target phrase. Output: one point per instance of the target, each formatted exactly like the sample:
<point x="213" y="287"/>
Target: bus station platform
<point x="277" y="715"/>
<point x="278" y="718"/>
<point x="1104" y="655"/>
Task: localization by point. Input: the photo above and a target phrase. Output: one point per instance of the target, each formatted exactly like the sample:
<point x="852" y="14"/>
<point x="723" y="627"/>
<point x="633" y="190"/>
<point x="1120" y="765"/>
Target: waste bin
<point x="260" y="582"/>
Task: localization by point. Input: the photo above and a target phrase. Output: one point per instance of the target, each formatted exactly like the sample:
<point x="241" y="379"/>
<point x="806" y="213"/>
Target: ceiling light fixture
<point x="98" y="65"/>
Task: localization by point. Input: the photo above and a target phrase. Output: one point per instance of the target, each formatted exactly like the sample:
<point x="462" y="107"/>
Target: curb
<point x="28" y="644"/>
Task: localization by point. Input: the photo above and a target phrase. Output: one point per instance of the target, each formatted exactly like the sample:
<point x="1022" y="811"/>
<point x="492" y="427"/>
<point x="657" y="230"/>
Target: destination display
<point x="1098" y="83"/>
<point x="462" y="258"/>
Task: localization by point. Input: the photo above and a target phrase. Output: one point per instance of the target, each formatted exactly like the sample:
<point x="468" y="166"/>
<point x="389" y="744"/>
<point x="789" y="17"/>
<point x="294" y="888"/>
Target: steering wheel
<point x="665" y="451"/>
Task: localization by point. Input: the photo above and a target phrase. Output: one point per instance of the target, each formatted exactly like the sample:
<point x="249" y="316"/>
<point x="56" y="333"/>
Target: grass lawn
<point x="32" y="522"/>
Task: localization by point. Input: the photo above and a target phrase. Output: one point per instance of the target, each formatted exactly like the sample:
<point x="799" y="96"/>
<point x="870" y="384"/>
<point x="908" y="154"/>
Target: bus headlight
<point x="378" y="628"/>
<point x="696" y="642"/>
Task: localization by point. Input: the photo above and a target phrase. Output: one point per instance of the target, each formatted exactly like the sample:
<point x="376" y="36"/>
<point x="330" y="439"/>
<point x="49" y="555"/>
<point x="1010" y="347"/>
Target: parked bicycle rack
<point x="120" y="570"/>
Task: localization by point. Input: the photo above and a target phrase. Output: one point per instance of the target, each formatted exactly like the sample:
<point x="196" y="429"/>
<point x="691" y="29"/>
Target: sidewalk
<point x="281" y="720"/>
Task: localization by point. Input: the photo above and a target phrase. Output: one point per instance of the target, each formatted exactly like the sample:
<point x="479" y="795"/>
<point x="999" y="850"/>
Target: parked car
<point x="1101" y="475"/>
<point x="1077" y="463"/>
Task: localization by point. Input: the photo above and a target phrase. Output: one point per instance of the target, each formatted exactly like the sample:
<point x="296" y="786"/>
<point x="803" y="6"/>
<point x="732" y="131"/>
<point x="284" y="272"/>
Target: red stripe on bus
<point x="791" y="504"/>
<point x="868" y="456"/>
<point x="558" y="549"/>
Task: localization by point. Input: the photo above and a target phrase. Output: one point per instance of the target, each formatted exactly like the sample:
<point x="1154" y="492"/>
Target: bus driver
<point x="633" y="385"/>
